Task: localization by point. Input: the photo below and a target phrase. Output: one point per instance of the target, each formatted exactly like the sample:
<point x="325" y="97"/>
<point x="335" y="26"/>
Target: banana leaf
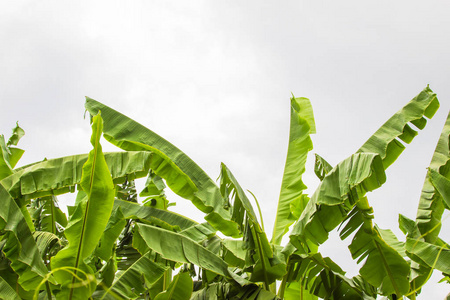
<point x="176" y="247"/>
<point x="226" y="290"/>
<point x="431" y="206"/>
<point x="292" y="186"/>
<point x="182" y="174"/>
<point x="135" y="280"/>
<point x="93" y="208"/>
<point x="267" y="267"/>
<point x="179" y="289"/>
<point x="384" y="266"/>
<point x="385" y="140"/>
<point x="7" y="292"/>
<point x="47" y="216"/>
<point x="435" y="257"/>
<point x="312" y="276"/>
<point x="336" y="195"/>
<point x="20" y="247"/>
<point x="60" y="175"/>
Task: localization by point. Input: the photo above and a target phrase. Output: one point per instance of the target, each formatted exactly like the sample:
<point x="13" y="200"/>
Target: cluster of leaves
<point x="112" y="246"/>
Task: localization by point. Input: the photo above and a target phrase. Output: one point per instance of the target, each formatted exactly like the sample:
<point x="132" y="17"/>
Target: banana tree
<point x="113" y="245"/>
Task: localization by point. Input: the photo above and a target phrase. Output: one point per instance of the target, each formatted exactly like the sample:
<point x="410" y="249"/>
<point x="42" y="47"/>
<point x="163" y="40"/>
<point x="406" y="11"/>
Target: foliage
<point x="115" y="245"/>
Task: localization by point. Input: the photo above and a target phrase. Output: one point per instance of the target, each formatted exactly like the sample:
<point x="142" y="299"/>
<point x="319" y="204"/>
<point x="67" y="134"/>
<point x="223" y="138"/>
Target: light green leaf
<point x="182" y="174"/>
<point x="433" y="256"/>
<point x="385" y="140"/>
<point x="431" y="207"/>
<point x="384" y="266"/>
<point x="292" y="186"/>
<point x="93" y="208"/>
<point x="349" y="181"/>
<point x="267" y="266"/>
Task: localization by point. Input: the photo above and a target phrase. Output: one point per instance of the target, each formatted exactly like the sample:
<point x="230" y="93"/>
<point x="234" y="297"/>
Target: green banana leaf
<point x="20" y="247"/>
<point x="5" y="166"/>
<point x="229" y="291"/>
<point x="292" y="186"/>
<point x="176" y="247"/>
<point x="321" y="167"/>
<point x="45" y="242"/>
<point x="431" y="206"/>
<point x="182" y="174"/>
<point x="135" y="280"/>
<point x="47" y="216"/>
<point x="312" y="276"/>
<point x="435" y="257"/>
<point x="267" y="266"/>
<point x="132" y="210"/>
<point x="385" y="140"/>
<point x="336" y="195"/>
<point x="114" y="227"/>
<point x="7" y="292"/>
<point x="93" y="209"/>
<point x="384" y="266"/>
<point x="60" y="175"/>
<point x="179" y="289"/>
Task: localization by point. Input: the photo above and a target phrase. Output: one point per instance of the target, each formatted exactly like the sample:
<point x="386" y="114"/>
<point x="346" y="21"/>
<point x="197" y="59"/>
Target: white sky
<point x="215" y="78"/>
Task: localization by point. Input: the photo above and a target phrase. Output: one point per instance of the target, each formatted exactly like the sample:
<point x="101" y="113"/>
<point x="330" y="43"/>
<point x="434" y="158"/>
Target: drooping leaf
<point x="60" y="175"/>
<point x="435" y="257"/>
<point x="136" y="279"/>
<point x="336" y="195"/>
<point x="19" y="246"/>
<point x="93" y="208"/>
<point x="176" y="247"/>
<point x="384" y="264"/>
<point x="292" y="186"/>
<point x="182" y="174"/>
<point x="312" y="276"/>
<point x="47" y="216"/>
<point x="46" y="241"/>
<point x="385" y="140"/>
<point x="229" y="291"/>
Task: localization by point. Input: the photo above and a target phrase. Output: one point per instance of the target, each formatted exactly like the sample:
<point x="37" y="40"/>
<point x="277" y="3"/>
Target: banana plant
<point x="116" y="243"/>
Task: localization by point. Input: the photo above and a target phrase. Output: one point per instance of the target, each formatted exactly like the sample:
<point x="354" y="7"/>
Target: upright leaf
<point x="182" y="174"/>
<point x="292" y="186"/>
<point x="93" y="208"/>
<point x="431" y="206"/>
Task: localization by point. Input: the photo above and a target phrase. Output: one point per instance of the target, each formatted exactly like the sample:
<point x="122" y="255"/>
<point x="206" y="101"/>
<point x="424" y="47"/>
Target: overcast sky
<point x="215" y="78"/>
